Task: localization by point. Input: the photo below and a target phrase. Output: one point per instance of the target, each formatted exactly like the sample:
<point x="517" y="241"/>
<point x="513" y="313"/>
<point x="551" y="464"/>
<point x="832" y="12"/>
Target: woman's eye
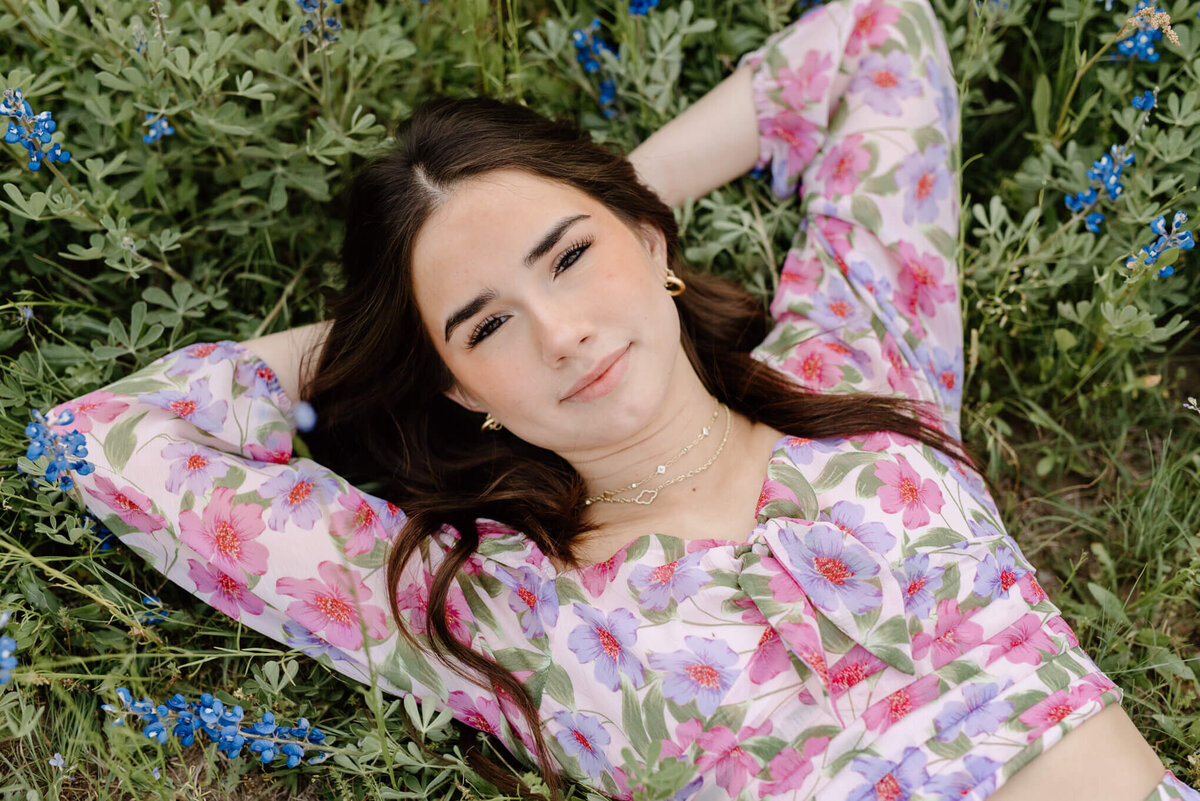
<point x="571" y="255"/>
<point x="483" y="330"/>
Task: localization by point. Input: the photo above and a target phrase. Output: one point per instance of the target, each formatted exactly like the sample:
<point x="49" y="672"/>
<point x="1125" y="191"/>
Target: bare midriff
<point x="1104" y="759"/>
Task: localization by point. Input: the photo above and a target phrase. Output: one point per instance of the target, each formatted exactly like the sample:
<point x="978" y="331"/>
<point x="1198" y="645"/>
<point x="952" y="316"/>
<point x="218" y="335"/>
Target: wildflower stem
<point x="287" y="290"/>
<point x="1079" y="73"/>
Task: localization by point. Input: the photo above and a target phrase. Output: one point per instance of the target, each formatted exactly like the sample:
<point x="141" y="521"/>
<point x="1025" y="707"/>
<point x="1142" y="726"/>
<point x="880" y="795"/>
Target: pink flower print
<point x="783" y="586"/>
<point x="883" y="440"/>
<point x="193" y="467"/>
<point x="919" y="285"/>
<point x="1022" y="642"/>
<point x="769" y="659"/>
<point x="193" y="357"/>
<point x="807" y="82"/>
<point x="225" y="536"/>
<point x="415" y="596"/>
<point x="300" y="496"/>
<point x="336" y="604"/>
<point x="230" y="595"/>
<point x="259" y="379"/>
<point x="595" y="578"/>
<point x="900" y="375"/>
<point x="1055" y="707"/>
<point x="833" y="570"/>
<point x="1031" y="590"/>
<point x="954" y="634"/>
<point x="844" y="164"/>
<point x="834" y="236"/>
<point x="918" y="584"/>
<point x="478" y="713"/>
<point x="904" y="490"/>
<point x="925" y="180"/>
<point x="95" y="407"/>
<point x="997" y="573"/>
<point x="196" y="405"/>
<point x="856" y="666"/>
<point x="358" y="521"/>
<point x="771" y="491"/>
<point x="800" y="275"/>
<point x="734" y="766"/>
<point x="799" y="140"/>
<point x="805" y="643"/>
<point x="870" y="25"/>
<point x="277" y="449"/>
<point x="815" y="365"/>
<point x="848" y="517"/>
<point x="882" y="714"/>
<point x="791" y="766"/>
<point x="884" y="82"/>
<point x="1059" y="626"/>
<point x="130" y="505"/>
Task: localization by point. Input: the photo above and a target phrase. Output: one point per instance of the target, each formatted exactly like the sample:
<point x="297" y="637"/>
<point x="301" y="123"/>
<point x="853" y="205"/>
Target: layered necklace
<point x="646" y="496"/>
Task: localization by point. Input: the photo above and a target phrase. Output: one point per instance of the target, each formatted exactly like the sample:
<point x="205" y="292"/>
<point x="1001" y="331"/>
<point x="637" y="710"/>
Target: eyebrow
<point x="547" y="242"/>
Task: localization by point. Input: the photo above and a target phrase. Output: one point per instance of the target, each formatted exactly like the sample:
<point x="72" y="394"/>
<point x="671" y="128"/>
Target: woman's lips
<point x="602" y="380"/>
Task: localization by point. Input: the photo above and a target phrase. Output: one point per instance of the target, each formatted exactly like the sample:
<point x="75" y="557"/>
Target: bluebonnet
<point x="639" y="8"/>
<point x="313" y="9"/>
<point x="1167" y="240"/>
<point x="159" y="127"/>
<point x="156" y="614"/>
<point x="31" y="130"/>
<point x="8" y="649"/>
<point x="588" y="47"/>
<point x="221" y="724"/>
<point x="67" y="451"/>
<point x="1144" y="101"/>
<point x="1106" y="171"/>
<point x="1140" y="46"/>
<point x="138" y="34"/>
<point x="1092" y="222"/>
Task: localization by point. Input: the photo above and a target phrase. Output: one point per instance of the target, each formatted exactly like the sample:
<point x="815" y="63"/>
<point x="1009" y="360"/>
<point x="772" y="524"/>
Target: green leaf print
<point x="120" y="442"/>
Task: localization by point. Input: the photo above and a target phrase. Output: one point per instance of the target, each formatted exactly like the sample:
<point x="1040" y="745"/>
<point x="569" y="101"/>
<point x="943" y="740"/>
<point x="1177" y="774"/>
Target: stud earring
<point x="674" y="284"/>
<point x="490" y="424"/>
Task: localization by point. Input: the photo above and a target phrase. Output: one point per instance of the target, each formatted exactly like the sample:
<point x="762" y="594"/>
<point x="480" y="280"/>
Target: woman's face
<point x="549" y="311"/>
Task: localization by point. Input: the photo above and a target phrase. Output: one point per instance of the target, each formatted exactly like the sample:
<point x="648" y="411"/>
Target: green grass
<point x="1075" y="412"/>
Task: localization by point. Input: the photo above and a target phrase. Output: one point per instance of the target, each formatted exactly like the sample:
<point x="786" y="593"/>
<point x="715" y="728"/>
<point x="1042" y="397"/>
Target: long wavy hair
<point x="379" y="384"/>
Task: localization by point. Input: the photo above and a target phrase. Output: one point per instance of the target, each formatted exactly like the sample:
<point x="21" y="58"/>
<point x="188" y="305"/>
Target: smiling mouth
<point x="596" y="377"/>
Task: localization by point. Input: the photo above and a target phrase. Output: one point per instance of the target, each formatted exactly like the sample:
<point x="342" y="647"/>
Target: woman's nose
<point x="560" y="329"/>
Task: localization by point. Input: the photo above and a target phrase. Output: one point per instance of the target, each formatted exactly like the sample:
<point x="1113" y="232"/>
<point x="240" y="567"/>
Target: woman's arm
<point x="286" y="351"/>
<point x="712" y="142"/>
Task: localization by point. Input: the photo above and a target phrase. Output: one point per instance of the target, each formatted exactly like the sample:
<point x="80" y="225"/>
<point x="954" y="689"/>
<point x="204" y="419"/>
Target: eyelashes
<point x="564" y="262"/>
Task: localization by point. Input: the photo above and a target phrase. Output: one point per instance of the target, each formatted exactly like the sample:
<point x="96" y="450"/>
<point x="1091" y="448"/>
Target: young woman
<point x="640" y="524"/>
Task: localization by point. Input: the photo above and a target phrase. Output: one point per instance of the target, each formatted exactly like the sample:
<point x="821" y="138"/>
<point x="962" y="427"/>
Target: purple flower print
<point x="193" y="357"/>
<point x="978" y="713"/>
<point x="978" y="779"/>
<point x="533" y="596"/>
<point x="836" y="310"/>
<point x="918" y="583"/>
<point x="844" y="165"/>
<point x="194" y="467"/>
<point x="275" y="449"/>
<point x="831" y="570"/>
<point x="946" y="94"/>
<point x="885" y="82"/>
<point x="228" y="594"/>
<point x="704" y="673"/>
<point x="946" y="369"/>
<point x="889" y="781"/>
<point x="848" y="517"/>
<point x="299" y="496"/>
<point x="925" y="180"/>
<point x="304" y="640"/>
<point x="196" y="405"/>
<point x="258" y="378"/>
<point x="675" y="581"/>
<point x="997" y="573"/>
<point x="801" y="450"/>
<point x="606" y="640"/>
<point x="583" y="737"/>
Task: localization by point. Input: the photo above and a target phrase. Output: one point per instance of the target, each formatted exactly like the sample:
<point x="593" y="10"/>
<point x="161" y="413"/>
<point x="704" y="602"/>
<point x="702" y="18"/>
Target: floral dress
<point x="878" y="635"/>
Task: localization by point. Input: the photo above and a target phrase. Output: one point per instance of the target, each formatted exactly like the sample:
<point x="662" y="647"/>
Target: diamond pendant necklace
<point x="647" y="496"/>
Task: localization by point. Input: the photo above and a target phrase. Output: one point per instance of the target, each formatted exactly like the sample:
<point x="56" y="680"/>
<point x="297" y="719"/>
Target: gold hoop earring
<point x="490" y="424"/>
<point x="674" y="284"/>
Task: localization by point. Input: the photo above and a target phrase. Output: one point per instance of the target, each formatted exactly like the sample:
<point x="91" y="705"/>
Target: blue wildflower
<point x="32" y="131"/>
<point x="156" y="614"/>
<point x="138" y="34"/>
<point x="1144" y="101"/>
<point x="159" y="127"/>
<point x="1173" y="239"/>
<point x="57" y="760"/>
<point x="221" y="724"/>
<point x="8" y="649"/>
<point x="588" y="47"/>
<point x="313" y="9"/>
<point x="1092" y="222"/>
<point x="1140" y="46"/>
<point x="639" y="8"/>
<point x="67" y="451"/>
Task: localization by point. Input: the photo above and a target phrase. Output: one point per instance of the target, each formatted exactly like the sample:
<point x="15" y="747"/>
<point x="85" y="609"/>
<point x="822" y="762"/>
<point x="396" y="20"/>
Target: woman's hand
<point x="287" y="352"/>
<point x="712" y="142"/>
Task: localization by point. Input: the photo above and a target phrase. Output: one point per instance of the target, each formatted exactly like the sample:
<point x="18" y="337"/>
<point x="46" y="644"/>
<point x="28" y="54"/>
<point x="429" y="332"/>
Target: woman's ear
<point x="655" y="243"/>
<point x="463" y="399"/>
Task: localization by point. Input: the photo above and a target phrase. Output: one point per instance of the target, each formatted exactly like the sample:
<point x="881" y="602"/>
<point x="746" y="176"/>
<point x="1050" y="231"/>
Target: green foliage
<point x="1076" y="364"/>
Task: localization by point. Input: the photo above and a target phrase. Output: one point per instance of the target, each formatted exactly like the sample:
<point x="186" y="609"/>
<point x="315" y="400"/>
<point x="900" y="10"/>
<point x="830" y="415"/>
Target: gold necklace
<point x="647" y="496"/>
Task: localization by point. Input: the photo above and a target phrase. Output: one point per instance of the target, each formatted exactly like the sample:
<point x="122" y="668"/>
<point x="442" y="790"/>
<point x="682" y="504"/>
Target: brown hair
<point x="379" y="383"/>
